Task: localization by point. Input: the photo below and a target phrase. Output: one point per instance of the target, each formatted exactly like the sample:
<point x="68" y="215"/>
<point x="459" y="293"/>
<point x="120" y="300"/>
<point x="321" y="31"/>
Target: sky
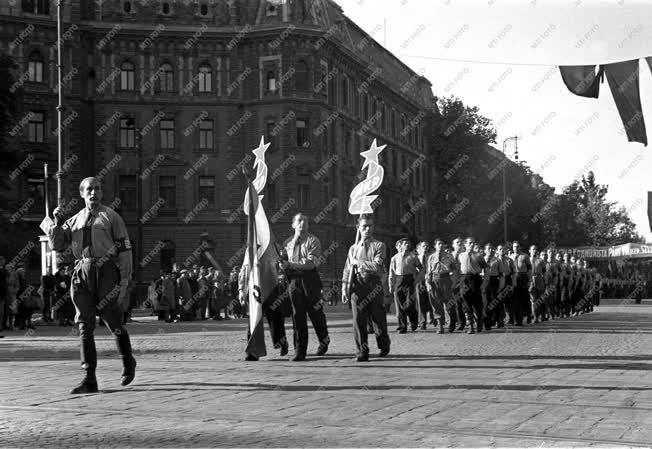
<point x="502" y="55"/>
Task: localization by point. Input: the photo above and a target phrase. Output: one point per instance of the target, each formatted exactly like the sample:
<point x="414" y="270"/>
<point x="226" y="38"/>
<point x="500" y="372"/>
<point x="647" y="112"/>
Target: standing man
<point x="438" y="283"/>
<point x="521" y="297"/>
<point x="491" y="287"/>
<point x="422" y="300"/>
<point x="304" y="287"/>
<point x="456" y="301"/>
<point x="102" y="252"/>
<point x="471" y="265"/>
<point x="505" y="287"/>
<point x="3" y="295"/>
<point x="537" y="287"/>
<point x="402" y="274"/>
<point x="367" y="259"/>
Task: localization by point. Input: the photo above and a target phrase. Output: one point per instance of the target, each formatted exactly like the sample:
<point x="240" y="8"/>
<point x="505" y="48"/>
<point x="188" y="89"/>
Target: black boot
<point x="88" y="355"/>
<point x="470" y="322"/>
<point x="128" y="360"/>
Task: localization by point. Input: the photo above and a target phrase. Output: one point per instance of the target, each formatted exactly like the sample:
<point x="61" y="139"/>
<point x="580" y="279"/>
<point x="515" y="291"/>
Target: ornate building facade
<point x="166" y="100"/>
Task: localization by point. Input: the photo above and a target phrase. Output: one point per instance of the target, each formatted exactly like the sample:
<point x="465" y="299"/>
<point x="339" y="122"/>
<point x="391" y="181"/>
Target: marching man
<point x="102" y="252"/>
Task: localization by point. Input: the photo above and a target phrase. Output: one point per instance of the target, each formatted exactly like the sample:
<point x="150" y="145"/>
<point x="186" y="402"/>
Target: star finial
<point x="371" y="155"/>
<point x="260" y="151"/>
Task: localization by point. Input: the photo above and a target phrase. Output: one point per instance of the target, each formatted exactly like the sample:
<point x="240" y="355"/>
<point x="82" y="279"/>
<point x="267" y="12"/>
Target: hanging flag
<point x="649" y="209"/>
<point x="623" y="81"/>
<point x="582" y="80"/>
<point x="261" y="256"/>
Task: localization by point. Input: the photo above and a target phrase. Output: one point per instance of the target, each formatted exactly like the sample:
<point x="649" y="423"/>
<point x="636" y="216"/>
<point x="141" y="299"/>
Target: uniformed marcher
<point x="438" y="282"/>
<point x="402" y="275"/>
<point x="537" y="286"/>
<point x="505" y="287"/>
<point x="102" y="252"/>
<point x="565" y="285"/>
<point x="304" y="287"/>
<point x="521" y="307"/>
<point x="456" y="301"/>
<point x="471" y="264"/>
<point x="422" y="300"/>
<point x="367" y="260"/>
<point x="490" y="288"/>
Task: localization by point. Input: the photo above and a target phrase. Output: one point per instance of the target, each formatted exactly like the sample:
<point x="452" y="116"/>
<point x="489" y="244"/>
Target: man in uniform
<point x="565" y="286"/>
<point x="521" y="298"/>
<point x="505" y="287"/>
<point x="99" y="239"/>
<point x="537" y="286"/>
<point x="471" y="264"/>
<point x="491" y="287"/>
<point x="304" y="287"/>
<point x="367" y="260"/>
<point x="421" y="291"/>
<point x="456" y="301"/>
<point x="438" y="283"/>
<point x="402" y="273"/>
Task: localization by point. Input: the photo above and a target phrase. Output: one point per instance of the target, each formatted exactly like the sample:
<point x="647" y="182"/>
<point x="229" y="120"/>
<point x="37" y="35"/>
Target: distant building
<point x="202" y="81"/>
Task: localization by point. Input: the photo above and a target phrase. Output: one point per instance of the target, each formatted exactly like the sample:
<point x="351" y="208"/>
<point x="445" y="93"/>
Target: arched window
<point x="127" y="76"/>
<point x="35" y="67"/>
<point x="126" y="6"/>
<point x="165" y="8"/>
<point x="166" y="78"/>
<point x="302" y="76"/>
<point x="271" y="81"/>
<point x="205" y="78"/>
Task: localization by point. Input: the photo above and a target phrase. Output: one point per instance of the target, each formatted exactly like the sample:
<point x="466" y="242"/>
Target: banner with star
<point x="360" y="199"/>
<point x="261" y="257"/>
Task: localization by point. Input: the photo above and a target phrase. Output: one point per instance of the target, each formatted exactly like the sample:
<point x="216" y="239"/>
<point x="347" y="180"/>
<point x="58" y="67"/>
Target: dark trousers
<point x="367" y="305"/>
<point x="276" y="322"/>
<point x="405" y="302"/>
<point x="455" y="303"/>
<point x="423" y="302"/>
<point x="440" y="294"/>
<point x="521" y="299"/>
<point x="491" y="304"/>
<point x="303" y="306"/>
<point x="470" y="289"/>
<point x="94" y="292"/>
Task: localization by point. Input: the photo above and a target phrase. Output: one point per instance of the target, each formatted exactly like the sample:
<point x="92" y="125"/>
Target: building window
<point x="35" y="126"/>
<point x="347" y="144"/>
<point x="35" y="68"/>
<point x="127" y="76"/>
<point x="126" y="7"/>
<point x="166" y="78"/>
<point x="205" y="78"/>
<point x="302" y="76"/>
<point x="128" y="191"/>
<point x="270" y="82"/>
<point x="167" y="134"/>
<point x="365" y="106"/>
<point x="270" y="134"/>
<point x="165" y="8"/>
<point x="206" y="134"/>
<point x="36" y="191"/>
<point x="302" y="134"/>
<point x="207" y="189"/>
<point x="127" y="133"/>
<point x="167" y="191"/>
<point x="36" y="6"/>
<point x="303" y="195"/>
<point x="393" y="118"/>
<point x="203" y="9"/>
<point x="345" y="92"/>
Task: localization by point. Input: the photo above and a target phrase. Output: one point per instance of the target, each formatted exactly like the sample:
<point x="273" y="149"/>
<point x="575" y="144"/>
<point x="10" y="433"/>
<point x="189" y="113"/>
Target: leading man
<point x="102" y="252"/>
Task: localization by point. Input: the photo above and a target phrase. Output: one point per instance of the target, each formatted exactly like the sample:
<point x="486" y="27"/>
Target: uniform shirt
<point x="507" y="266"/>
<point x="401" y="265"/>
<point x="305" y="252"/>
<point x="538" y="267"/>
<point x="371" y="258"/>
<point x="470" y="262"/>
<point x="439" y="262"/>
<point x="522" y="262"/>
<point x="108" y="237"/>
<point x="494" y="266"/>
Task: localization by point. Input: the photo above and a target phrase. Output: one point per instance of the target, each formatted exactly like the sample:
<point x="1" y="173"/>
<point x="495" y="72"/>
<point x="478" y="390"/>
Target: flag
<point x="261" y="262"/>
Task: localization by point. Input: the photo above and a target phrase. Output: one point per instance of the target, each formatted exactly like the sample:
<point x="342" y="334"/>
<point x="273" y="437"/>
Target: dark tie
<point x="87" y="236"/>
<point x="296" y="250"/>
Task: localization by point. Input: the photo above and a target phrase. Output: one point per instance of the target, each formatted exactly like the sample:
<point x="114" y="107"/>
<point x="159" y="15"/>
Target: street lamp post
<point x="515" y="139"/>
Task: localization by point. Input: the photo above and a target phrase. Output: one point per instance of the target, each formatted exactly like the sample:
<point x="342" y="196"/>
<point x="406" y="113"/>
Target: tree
<point x="585" y="218"/>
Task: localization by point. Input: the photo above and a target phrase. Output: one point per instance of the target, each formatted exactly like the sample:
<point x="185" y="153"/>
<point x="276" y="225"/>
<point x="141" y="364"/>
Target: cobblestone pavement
<point x="575" y="382"/>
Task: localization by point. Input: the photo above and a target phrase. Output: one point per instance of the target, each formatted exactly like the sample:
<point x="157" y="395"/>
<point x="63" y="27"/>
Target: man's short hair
<point x="365" y="217"/>
<point x="89" y="179"/>
<point x="294" y="217"/>
<point x="403" y="240"/>
<point x="438" y="240"/>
